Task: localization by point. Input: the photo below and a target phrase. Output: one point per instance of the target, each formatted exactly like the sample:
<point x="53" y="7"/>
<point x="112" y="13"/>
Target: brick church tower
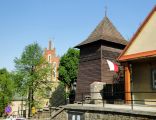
<point x="104" y="43"/>
<point x="53" y="59"/>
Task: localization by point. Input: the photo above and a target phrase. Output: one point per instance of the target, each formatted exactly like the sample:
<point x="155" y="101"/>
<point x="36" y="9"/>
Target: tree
<point x="58" y="97"/>
<point x="68" y="67"/>
<point x="31" y="72"/>
<point x="6" y="89"/>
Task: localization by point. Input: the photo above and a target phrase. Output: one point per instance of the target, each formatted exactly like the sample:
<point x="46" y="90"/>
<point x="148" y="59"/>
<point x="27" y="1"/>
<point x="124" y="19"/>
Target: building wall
<point x="112" y="116"/>
<point x="50" y="55"/>
<point x="145" y="41"/>
<point x="89" y="69"/>
<point x="142" y="80"/>
<point x="89" y="72"/>
<point x="108" y="53"/>
<point x="94" y="67"/>
<point x="52" y="58"/>
<point x="103" y="116"/>
<point x="17" y="107"/>
<point x="94" y="113"/>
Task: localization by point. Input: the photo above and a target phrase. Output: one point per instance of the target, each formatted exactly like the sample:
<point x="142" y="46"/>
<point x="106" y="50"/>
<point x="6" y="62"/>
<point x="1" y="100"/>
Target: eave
<point x="137" y="56"/>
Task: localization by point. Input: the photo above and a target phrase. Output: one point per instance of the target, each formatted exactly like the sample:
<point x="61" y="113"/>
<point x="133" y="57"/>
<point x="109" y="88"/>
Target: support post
<point x="127" y="85"/>
<point x="82" y="99"/>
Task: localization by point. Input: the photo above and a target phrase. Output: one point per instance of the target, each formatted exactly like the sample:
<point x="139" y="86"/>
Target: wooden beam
<point x="127" y="84"/>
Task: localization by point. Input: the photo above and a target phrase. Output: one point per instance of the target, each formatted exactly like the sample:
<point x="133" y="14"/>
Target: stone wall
<point x="111" y="116"/>
<point x="93" y="113"/>
<point x="61" y="116"/>
<point x="103" y="116"/>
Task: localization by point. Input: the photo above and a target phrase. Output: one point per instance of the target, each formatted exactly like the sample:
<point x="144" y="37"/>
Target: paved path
<point x="136" y="107"/>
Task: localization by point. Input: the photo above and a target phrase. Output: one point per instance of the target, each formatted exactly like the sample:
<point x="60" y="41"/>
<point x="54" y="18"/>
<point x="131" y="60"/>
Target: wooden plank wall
<point x="89" y="69"/>
<point x="108" y="53"/>
<point x="93" y="66"/>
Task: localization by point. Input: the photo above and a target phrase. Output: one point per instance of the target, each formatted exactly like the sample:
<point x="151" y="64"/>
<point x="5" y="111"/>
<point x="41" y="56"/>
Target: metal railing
<point x="113" y="98"/>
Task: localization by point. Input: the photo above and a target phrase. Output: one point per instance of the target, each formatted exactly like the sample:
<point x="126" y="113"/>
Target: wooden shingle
<point x="105" y="31"/>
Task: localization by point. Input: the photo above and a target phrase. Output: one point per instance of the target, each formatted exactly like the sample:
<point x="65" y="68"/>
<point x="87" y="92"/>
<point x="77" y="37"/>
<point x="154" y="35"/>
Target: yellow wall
<point x="146" y="40"/>
<point x="142" y="81"/>
<point x="16" y="106"/>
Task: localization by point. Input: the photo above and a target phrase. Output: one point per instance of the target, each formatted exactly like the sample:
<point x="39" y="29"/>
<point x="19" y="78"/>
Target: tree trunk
<point x="29" y="101"/>
<point x="30" y="97"/>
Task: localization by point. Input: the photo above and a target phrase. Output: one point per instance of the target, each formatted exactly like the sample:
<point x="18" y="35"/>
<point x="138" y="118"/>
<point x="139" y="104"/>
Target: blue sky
<point x="67" y="22"/>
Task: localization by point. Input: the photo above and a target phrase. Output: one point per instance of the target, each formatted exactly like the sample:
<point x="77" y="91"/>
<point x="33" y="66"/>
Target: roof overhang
<point x="138" y="56"/>
<point x="102" y="41"/>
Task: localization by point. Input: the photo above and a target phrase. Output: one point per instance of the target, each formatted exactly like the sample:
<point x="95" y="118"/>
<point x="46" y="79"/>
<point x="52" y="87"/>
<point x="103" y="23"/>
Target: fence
<point x="117" y="98"/>
<point x="40" y="113"/>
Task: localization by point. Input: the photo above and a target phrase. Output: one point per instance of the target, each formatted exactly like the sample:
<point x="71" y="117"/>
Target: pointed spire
<point x="53" y="46"/>
<point x="49" y="44"/>
<point x="105" y="31"/>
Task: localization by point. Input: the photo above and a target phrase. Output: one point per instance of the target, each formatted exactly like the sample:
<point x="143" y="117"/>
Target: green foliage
<point x="68" y="67"/>
<point x="6" y="89"/>
<point x="31" y="72"/>
<point x="59" y="96"/>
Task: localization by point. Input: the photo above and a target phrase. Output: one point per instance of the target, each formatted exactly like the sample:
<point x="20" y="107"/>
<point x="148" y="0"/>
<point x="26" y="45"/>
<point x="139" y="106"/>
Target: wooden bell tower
<point x="104" y="43"/>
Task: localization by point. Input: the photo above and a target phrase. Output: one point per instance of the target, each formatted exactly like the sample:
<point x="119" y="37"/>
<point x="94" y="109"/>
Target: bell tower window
<point x="49" y="58"/>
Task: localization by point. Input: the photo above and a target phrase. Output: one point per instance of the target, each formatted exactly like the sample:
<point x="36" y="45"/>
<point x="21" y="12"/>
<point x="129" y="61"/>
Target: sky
<point x="65" y="22"/>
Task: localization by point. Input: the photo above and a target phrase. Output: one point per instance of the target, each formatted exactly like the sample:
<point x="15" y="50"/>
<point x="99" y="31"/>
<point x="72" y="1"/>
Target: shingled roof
<point x="104" y="31"/>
